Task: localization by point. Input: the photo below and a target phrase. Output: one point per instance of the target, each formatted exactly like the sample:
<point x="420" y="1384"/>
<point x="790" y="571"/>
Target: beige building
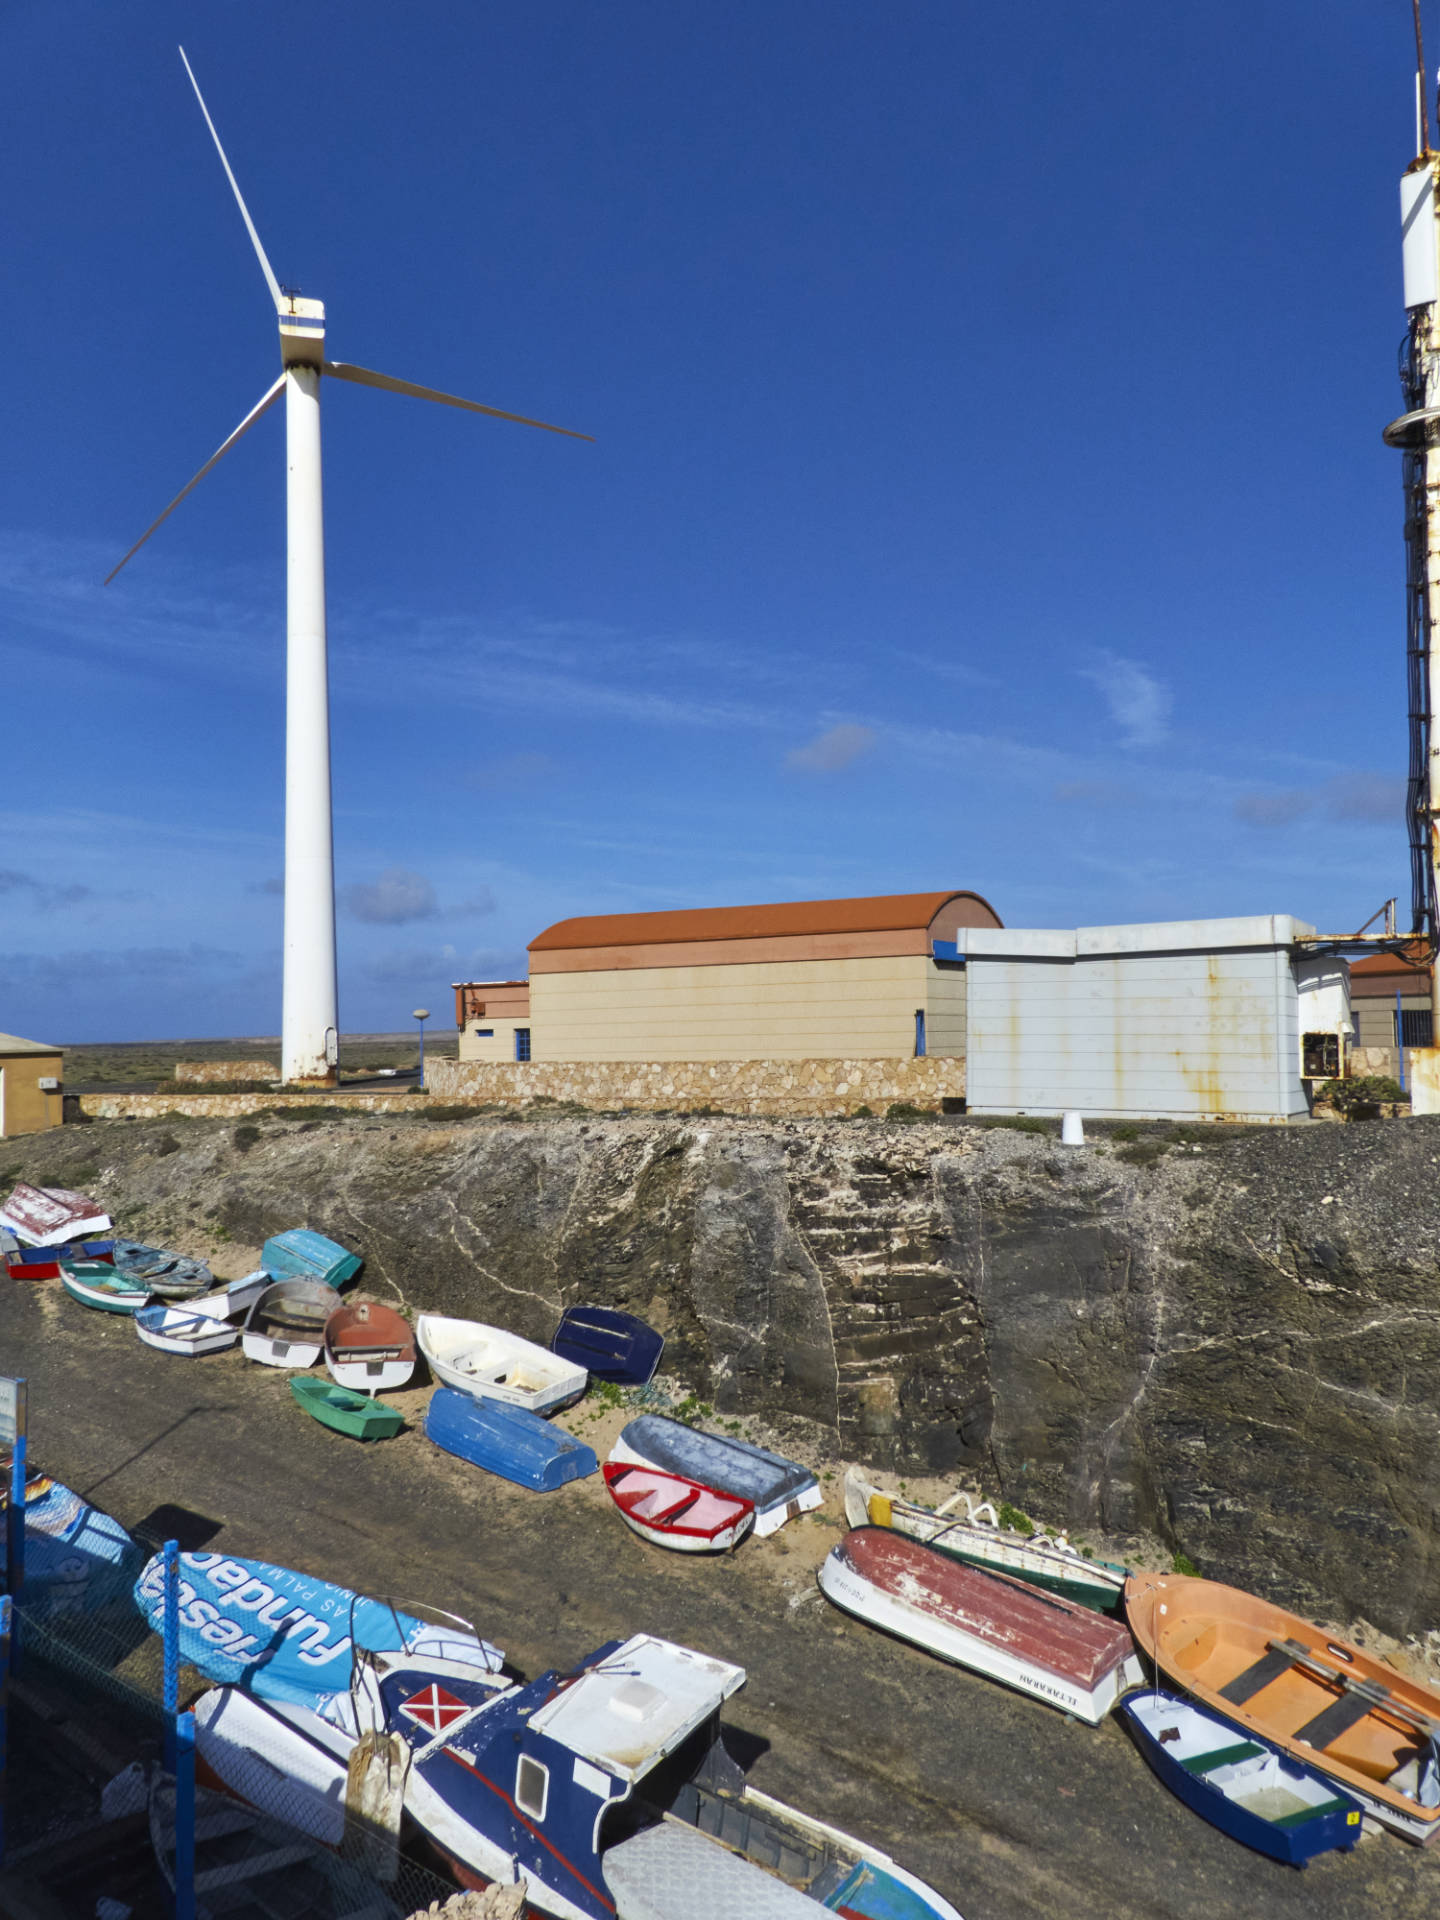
<point x="877" y="978"/>
<point x="493" y="1017"/>
<point x="31" y="1076"/>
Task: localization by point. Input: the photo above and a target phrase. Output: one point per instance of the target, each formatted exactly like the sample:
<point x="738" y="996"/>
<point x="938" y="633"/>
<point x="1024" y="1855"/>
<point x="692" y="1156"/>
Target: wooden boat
<point x="33" y="1263"/>
<point x="348" y="1412"/>
<point x="178" y="1329"/>
<point x="286" y="1325"/>
<point x="233" y="1299"/>
<point x="369" y="1347"/>
<point x="169" y="1274"/>
<point x="630" y="1738"/>
<point x="1047" y="1561"/>
<point x="777" y="1488"/>
<point x="49" y="1216"/>
<point x="89" y="1250"/>
<point x="493" y="1364"/>
<point x="677" y="1513"/>
<point x="1063" y="1654"/>
<point x="507" y="1440"/>
<point x="1320" y="1701"/>
<point x="1244" y="1787"/>
<point x="301" y="1254"/>
<point x="609" y="1344"/>
<point x="94" y="1284"/>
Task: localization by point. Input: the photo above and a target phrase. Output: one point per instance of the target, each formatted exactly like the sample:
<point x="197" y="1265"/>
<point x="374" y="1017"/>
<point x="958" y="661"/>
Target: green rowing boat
<point x="351" y="1413"/>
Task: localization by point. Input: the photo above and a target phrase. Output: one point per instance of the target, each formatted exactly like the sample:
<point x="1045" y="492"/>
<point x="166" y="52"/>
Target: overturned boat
<point x="1063" y="1654"/>
<point x="369" y="1347"/>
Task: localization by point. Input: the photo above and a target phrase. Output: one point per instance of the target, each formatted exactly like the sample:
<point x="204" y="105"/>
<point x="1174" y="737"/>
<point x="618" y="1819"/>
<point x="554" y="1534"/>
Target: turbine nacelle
<point x="302" y="331"/>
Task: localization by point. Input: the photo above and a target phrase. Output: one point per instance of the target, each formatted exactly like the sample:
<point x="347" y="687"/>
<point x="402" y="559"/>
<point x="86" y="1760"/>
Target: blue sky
<point x="987" y="492"/>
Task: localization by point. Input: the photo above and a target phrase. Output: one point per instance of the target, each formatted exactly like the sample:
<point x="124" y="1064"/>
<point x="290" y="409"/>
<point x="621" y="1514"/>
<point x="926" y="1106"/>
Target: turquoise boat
<point x="302" y="1254"/>
<point x="95" y="1283"/>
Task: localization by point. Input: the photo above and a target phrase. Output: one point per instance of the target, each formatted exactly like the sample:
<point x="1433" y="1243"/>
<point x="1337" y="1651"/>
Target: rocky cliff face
<point x="1235" y="1344"/>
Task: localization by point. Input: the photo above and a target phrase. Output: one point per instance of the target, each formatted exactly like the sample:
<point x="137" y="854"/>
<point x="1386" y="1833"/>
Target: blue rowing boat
<point x="609" y="1344"/>
<point x="1242" y="1785"/>
<point x="510" y="1441"/>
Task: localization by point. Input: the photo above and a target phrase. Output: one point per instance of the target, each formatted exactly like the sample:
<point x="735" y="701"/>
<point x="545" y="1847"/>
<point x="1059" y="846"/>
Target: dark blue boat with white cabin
<point x="1240" y="1784"/>
<point x="609" y="1791"/>
<point x="302" y="1254"/>
<point x="609" y="1344"/>
<point x="510" y="1441"/>
<point x="779" y="1489"/>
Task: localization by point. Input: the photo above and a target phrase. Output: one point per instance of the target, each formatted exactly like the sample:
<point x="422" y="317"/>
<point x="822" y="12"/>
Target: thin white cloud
<point x="830" y="752"/>
<point x="1138" y="703"/>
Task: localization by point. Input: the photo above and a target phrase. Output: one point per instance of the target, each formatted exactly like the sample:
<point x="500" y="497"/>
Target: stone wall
<point x="198" y="1072"/>
<point x="231" y="1106"/>
<point x="783" y="1088"/>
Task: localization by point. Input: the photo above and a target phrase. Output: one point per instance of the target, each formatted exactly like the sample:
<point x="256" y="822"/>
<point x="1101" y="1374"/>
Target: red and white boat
<point x="675" y="1512"/>
<point x="1039" y="1643"/>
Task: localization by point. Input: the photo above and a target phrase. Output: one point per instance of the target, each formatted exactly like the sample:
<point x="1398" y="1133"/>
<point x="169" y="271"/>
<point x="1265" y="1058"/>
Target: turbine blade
<point x="363" y="377"/>
<point x="244" y="427"/>
<point x="265" y="268"/>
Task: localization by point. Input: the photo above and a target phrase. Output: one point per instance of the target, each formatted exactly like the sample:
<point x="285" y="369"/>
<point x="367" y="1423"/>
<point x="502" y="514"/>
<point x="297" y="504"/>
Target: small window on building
<point x="484" y="1033"/>
<point x="532" y="1787"/>
<point x="1417" y="1027"/>
<point x="919" y="1033"/>
<point x="522" y="1043"/>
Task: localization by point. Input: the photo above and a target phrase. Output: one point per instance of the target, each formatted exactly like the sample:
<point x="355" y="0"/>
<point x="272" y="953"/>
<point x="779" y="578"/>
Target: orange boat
<point x="1324" y="1701"/>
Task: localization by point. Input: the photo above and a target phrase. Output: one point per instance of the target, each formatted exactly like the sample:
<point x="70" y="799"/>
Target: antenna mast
<point x="1417" y="436"/>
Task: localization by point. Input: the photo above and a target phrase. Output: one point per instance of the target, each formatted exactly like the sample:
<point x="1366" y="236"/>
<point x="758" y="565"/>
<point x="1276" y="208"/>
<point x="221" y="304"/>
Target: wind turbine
<point x="310" y="1035"/>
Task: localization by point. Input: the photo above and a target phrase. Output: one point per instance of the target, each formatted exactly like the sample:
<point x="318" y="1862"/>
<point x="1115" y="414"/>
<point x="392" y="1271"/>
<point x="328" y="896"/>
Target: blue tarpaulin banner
<point x="285" y="1635"/>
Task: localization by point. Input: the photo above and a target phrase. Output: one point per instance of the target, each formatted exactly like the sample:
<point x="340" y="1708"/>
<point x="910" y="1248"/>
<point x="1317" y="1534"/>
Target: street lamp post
<point x="422" y="1014"/>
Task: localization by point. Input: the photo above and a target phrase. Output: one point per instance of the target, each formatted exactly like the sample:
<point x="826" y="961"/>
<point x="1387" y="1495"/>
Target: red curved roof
<point x="880" y="913"/>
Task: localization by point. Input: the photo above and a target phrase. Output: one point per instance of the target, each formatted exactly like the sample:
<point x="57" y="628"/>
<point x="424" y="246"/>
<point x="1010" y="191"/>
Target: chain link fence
<point x="101" y="1798"/>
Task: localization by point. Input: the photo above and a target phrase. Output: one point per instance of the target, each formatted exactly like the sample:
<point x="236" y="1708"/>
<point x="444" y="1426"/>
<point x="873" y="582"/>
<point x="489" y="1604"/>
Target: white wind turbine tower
<point x="309" y="1020"/>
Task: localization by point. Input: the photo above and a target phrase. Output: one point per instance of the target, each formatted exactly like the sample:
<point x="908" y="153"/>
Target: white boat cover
<point x="673" y="1872"/>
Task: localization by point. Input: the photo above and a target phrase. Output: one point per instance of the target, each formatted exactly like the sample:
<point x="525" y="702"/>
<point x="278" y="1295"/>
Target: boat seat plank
<point x="1303" y="1814"/>
<point x="1337" y="1718"/>
<point x="1222" y="1757"/>
<point x="1259" y="1675"/>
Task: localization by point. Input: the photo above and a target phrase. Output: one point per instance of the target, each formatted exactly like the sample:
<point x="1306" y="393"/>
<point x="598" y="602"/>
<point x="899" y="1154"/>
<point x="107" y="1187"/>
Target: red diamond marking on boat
<point x="434" y="1708"/>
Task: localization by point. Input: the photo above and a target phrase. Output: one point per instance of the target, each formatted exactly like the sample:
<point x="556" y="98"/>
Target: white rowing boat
<point x="493" y="1364"/>
<point x="172" y="1329"/>
<point x="286" y="1325"/>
